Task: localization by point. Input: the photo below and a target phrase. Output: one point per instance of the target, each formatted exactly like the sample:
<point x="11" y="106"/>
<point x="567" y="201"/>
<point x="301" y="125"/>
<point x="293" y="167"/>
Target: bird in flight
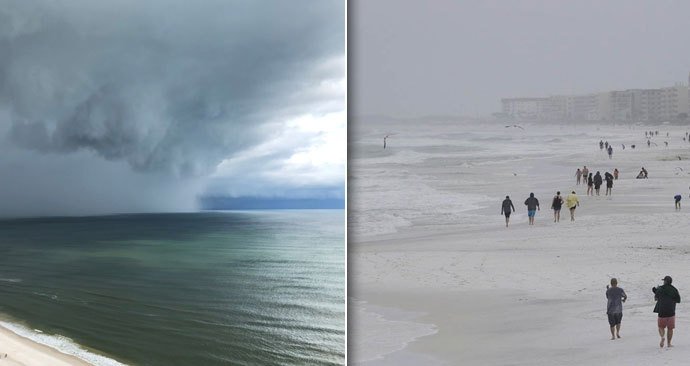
<point x="517" y="126"/>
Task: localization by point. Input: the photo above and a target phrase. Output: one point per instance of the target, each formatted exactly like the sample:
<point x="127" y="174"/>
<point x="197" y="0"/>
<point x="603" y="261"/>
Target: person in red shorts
<point x="666" y="297"/>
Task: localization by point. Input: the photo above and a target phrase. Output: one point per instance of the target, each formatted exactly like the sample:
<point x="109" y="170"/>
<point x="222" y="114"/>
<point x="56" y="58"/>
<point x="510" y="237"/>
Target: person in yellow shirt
<point x="572" y="202"/>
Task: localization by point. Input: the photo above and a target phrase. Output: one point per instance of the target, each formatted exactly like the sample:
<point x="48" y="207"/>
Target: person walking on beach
<point x="572" y="202"/>
<point x="556" y="206"/>
<point x="532" y="204"/>
<point x="601" y="145"/>
<point x="606" y="145"/>
<point x="610" y="151"/>
<point x="590" y="185"/>
<point x="666" y="297"/>
<point x="677" y="198"/>
<point x="615" y="173"/>
<point x="649" y="143"/>
<point x="614" y="307"/>
<point x="609" y="182"/>
<point x="578" y="175"/>
<point x="597" y="182"/>
<point x="585" y="171"/>
<point x="507" y="208"/>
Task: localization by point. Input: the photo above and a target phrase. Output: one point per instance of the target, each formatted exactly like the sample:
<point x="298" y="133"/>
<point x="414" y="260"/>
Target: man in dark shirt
<point x="506" y="208"/>
<point x="556" y="206"/>
<point x="666" y="297"/>
<point x="532" y="204"/>
<point x="609" y="182"/>
<point x="597" y="182"/>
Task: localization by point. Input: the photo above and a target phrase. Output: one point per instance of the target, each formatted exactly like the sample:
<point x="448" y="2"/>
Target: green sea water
<point x="208" y="288"/>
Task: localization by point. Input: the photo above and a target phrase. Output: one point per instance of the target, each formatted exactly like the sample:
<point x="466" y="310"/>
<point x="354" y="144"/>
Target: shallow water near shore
<point x="428" y="225"/>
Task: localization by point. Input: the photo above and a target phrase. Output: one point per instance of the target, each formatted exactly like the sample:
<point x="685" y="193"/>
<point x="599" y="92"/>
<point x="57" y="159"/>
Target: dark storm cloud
<point x="130" y="106"/>
<point x="167" y="86"/>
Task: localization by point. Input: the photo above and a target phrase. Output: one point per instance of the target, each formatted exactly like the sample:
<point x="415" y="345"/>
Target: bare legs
<point x="572" y="214"/>
<point x="557" y="216"/>
<point x="615" y="331"/>
<point x="669" y="336"/>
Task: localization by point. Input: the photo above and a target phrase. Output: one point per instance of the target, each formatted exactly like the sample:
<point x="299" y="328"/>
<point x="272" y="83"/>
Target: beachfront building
<point x="524" y="108"/>
<point x="631" y="105"/>
<point x="584" y="108"/>
<point x="673" y="103"/>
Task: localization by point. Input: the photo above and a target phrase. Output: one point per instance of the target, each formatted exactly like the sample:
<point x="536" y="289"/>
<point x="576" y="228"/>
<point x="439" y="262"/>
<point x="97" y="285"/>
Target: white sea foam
<point x="60" y="343"/>
<point x="635" y="224"/>
<point x="11" y="280"/>
<point x="387" y="331"/>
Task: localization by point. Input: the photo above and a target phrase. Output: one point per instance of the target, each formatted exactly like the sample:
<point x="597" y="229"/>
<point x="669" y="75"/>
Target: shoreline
<point x="24" y="351"/>
<point x="492" y="291"/>
<point x="30" y="347"/>
<point x="392" y="329"/>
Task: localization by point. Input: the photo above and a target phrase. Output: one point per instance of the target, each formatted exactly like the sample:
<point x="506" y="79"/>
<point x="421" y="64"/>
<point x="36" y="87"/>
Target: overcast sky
<point x="126" y="106"/>
<point x="412" y="58"/>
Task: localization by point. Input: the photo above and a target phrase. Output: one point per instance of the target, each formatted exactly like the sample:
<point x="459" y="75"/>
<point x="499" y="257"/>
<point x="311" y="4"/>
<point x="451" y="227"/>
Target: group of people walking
<point x="666" y="297"/>
<point x="609" y="148"/>
<point x="594" y="181"/>
<point x="532" y="203"/>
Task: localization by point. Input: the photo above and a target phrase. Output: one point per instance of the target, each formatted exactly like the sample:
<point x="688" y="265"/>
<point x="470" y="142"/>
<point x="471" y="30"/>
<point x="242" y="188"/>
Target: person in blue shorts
<point x="532" y="204"/>
<point x="677" y="198"/>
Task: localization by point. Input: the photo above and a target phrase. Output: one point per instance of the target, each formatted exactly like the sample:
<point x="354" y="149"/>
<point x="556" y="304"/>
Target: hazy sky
<point x="121" y="106"/>
<point x="436" y="57"/>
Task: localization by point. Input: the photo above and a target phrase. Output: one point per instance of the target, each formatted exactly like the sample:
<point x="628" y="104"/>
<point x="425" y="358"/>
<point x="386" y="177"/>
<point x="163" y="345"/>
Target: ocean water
<point x="209" y="288"/>
<point x="439" y="173"/>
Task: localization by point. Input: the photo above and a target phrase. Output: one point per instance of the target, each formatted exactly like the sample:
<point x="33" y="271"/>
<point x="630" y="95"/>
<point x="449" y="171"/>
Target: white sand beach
<point x="22" y="351"/>
<point x="435" y="277"/>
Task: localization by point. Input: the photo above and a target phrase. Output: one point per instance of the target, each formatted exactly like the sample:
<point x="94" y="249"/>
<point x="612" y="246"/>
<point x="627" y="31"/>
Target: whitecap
<point x="61" y="344"/>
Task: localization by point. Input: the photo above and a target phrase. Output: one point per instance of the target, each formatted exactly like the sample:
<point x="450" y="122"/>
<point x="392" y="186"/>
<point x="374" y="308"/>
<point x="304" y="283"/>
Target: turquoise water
<point x="210" y="288"/>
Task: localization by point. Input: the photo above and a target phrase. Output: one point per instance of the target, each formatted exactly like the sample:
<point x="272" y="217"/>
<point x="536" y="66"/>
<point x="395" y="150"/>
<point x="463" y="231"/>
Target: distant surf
<point x="60" y="343"/>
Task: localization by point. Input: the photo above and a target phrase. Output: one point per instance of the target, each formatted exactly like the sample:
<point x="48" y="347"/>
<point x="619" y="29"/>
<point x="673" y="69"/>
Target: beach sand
<point x="426" y="240"/>
<point x="22" y="351"/>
